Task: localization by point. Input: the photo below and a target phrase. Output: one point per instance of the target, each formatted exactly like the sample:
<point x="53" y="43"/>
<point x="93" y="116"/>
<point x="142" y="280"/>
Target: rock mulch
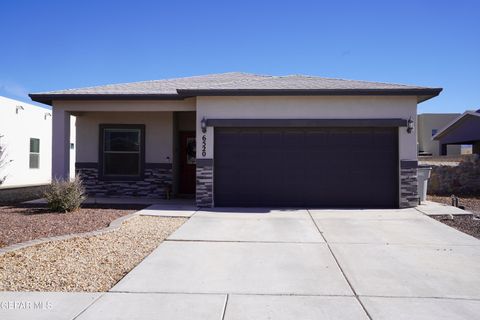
<point x="92" y="264"/>
<point x="20" y="223"/>
<point x="467" y="224"/>
<point x="471" y="204"/>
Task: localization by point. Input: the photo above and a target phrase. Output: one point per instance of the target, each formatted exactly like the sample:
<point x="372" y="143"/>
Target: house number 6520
<point x="204" y="145"/>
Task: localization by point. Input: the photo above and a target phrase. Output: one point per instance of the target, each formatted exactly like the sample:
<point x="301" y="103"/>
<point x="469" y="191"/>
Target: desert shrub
<point x="65" y="195"/>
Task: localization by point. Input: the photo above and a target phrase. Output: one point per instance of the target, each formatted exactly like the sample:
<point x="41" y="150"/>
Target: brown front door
<point x="187" y="162"/>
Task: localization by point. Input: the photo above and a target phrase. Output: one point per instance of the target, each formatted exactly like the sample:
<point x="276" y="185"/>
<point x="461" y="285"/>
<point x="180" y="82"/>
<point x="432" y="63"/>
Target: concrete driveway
<point x="313" y="264"/>
<point x="302" y="264"/>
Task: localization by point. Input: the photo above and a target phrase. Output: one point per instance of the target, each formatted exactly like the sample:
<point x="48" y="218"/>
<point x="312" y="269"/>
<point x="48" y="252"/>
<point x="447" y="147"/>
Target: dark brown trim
<point x="103" y="177"/>
<point x="397" y="168"/>
<point x="49" y="98"/>
<point x="148" y="165"/>
<point x="86" y="165"/>
<point x="159" y="165"/>
<point x="289" y="123"/>
<point x="408" y="164"/>
<point x="204" y="162"/>
<point x="309" y="92"/>
<point x="421" y="93"/>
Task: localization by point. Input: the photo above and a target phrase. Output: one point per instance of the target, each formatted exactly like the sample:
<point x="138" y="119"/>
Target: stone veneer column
<point x="204" y="194"/>
<point x="408" y="184"/>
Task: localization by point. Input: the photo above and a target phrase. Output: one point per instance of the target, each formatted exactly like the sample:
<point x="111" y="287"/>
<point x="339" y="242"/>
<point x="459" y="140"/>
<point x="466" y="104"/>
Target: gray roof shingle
<point x="227" y="82"/>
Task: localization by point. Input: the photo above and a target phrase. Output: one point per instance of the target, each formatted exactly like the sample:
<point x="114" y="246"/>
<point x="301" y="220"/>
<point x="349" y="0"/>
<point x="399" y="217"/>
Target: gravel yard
<point x="85" y="264"/>
<point x="469" y="225"/>
<point x="19" y="223"/>
<point x="471" y="203"/>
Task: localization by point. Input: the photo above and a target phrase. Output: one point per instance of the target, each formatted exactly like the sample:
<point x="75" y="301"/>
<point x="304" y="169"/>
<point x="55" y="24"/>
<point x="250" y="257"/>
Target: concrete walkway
<point x="292" y="264"/>
<point x="431" y="208"/>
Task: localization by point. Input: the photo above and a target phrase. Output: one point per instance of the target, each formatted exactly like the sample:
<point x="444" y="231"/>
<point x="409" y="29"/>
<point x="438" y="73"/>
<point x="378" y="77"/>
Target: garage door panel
<point x="316" y="139"/>
<point x="384" y="138"/>
<point x="271" y="140"/>
<point x="319" y="167"/>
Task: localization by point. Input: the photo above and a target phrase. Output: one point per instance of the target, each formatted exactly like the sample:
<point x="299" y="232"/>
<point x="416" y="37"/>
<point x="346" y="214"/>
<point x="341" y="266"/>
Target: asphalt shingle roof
<point x="234" y="81"/>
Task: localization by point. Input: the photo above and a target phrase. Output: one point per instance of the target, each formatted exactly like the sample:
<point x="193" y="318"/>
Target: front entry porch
<point x="129" y="155"/>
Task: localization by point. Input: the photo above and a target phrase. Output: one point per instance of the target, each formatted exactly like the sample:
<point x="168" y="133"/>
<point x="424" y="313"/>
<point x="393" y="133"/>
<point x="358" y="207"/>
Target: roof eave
<point x="49" y="98"/>
<point x="423" y="94"/>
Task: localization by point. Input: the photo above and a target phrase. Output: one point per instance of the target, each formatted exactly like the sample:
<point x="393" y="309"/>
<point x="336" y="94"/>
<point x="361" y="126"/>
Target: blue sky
<point x="49" y="45"/>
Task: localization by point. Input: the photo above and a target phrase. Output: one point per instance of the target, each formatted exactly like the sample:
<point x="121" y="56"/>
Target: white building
<point x="26" y="134"/>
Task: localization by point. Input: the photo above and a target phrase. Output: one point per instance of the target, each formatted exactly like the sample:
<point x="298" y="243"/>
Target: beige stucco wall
<point x="361" y="107"/>
<point x="126" y="105"/>
<point x="429" y="121"/>
<point x="158" y="133"/>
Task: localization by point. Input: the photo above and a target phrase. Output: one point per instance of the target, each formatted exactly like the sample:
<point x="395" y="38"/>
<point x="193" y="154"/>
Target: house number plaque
<point x="204" y="145"/>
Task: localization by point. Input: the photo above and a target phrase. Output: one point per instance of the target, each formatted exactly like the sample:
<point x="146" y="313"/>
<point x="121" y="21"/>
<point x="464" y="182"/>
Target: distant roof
<point x="235" y="83"/>
<point x="457" y="122"/>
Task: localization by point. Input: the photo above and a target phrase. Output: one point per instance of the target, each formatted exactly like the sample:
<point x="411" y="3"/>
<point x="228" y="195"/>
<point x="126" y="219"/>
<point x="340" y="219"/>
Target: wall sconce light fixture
<point x="18" y="108"/>
<point x="47" y="114"/>
<point x="203" y="125"/>
<point x="410" y="125"/>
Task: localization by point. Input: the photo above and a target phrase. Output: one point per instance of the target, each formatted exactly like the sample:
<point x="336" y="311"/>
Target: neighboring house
<point x="26" y="132"/>
<point x="465" y="129"/>
<point x="279" y="141"/>
<point x="428" y="125"/>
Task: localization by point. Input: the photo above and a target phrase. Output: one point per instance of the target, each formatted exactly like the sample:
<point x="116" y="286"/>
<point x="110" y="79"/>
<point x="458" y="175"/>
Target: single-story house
<point x="428" y="125"/>
<point x="464" y="129"/>
<point x="239" y="139"/>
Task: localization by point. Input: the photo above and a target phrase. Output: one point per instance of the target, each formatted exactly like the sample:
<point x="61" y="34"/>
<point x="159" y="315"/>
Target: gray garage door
<point x="295" y="167"/>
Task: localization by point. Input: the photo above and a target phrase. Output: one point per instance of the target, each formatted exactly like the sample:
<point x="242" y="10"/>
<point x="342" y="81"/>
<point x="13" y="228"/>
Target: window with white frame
<point x="34" y="161"/>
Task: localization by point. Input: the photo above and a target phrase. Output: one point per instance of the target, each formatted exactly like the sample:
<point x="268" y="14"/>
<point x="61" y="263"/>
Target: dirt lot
<point x="19" y="223"/>
<point x="91" y="264"/>
<point x="469" y="225"/>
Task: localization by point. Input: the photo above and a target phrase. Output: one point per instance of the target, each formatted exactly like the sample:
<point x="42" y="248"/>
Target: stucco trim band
<point x="306" y="122"/>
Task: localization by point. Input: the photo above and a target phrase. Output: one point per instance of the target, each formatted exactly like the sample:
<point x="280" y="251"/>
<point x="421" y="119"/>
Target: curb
<point x="114" y="225"/>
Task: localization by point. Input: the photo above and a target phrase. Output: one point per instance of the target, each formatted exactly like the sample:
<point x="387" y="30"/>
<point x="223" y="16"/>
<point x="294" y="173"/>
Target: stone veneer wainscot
<point x="157" y="178"/>
<point x="408" y="184"/>
<point x="204" y="183"/>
